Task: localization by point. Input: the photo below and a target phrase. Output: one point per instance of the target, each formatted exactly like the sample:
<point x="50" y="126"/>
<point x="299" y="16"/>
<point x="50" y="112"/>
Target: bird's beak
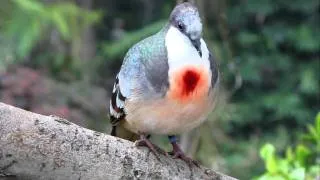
<point x="197" y="44"/>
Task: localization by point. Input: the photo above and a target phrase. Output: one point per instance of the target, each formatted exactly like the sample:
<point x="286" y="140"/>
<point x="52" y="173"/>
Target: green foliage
<point x="276" y="47"/>
<point x="278" y="60"/>
<point x="31" y="19"/>
<point x="301" y="163"/>
<point x="313" y="135"/>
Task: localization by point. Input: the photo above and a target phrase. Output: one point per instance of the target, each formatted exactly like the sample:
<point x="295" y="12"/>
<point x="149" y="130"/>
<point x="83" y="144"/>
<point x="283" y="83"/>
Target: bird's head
<point x="185" y="17"/>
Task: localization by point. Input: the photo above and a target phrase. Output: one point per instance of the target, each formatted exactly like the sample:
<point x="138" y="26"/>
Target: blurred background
<point x="60" y="57"/>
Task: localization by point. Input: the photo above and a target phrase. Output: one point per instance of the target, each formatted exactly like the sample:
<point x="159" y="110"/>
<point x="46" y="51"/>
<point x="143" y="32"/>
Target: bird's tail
<point x="121" y="132"/>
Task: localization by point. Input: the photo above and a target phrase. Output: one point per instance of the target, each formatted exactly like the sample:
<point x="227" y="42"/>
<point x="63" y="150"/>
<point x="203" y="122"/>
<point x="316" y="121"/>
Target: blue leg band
<point x="172" y="139"/>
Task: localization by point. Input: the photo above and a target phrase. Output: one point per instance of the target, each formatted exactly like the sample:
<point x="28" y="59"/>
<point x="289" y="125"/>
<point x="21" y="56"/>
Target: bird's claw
<point x="153" y="148"/>
<point x="177" y="153"/>
<point x="182" y="156"/>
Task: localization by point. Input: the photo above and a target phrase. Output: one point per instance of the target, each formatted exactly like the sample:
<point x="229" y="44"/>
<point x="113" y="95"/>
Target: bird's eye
<point x="181" y="26"/>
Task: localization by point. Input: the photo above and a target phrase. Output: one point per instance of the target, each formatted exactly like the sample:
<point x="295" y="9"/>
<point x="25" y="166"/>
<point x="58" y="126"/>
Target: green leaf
<point x="318" y="123"/>
<point x="305" y="39"/>
<point x="269" y="176"/>
<point x="29" y="38"/>
<point x="313" y="132"/>
<point x="30" y="5"/>
<point x="247" y="38"/>
<point x="289" y="154"/>
<point x="302" y="152"/>
<point x="61" y="24"/>
<point x="297" y="174"/>
<point x="283" y="166"/>
<point x="309" y="82"/>
<point x="267" y="153"/>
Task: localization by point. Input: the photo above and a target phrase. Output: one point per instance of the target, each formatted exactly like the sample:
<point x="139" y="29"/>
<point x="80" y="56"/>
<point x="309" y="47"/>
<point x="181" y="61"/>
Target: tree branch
<point x="34" y="146"/>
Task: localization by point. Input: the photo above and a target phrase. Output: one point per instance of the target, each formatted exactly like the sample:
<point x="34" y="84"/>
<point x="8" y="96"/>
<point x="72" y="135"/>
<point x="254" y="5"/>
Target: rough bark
<point x="34" y="146"/>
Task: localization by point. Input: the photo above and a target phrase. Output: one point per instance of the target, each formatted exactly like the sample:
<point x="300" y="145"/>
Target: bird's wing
<point x="128" y="80"/>
<point x="143" y="75"/>
<point x="116" y="104"/>
<point x="117" y="114"/>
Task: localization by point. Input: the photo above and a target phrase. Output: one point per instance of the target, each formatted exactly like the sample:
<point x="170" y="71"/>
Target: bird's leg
<point x="144" y="141"/>
<point x="159" y="149"/>
<point x="178" y="153"/>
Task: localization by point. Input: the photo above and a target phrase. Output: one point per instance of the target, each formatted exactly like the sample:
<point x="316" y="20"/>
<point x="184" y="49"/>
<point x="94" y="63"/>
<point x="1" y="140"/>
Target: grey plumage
<point x="214" y="70"/>
<point x="145" y="68"/>
<point x="187" y="16"/>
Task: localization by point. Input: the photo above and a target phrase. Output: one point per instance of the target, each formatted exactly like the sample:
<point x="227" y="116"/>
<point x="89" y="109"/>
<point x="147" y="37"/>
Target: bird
<point x="167" y="84"/>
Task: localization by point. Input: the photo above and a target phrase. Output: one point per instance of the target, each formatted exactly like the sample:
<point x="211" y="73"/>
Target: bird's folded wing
<point x="117" y="113"/>
<point x="143" y="75"/>
<point x="116" y="104"/>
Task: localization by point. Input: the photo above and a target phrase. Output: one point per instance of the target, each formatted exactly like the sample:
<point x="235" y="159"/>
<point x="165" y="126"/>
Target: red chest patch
<point x="188" y="83"/>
